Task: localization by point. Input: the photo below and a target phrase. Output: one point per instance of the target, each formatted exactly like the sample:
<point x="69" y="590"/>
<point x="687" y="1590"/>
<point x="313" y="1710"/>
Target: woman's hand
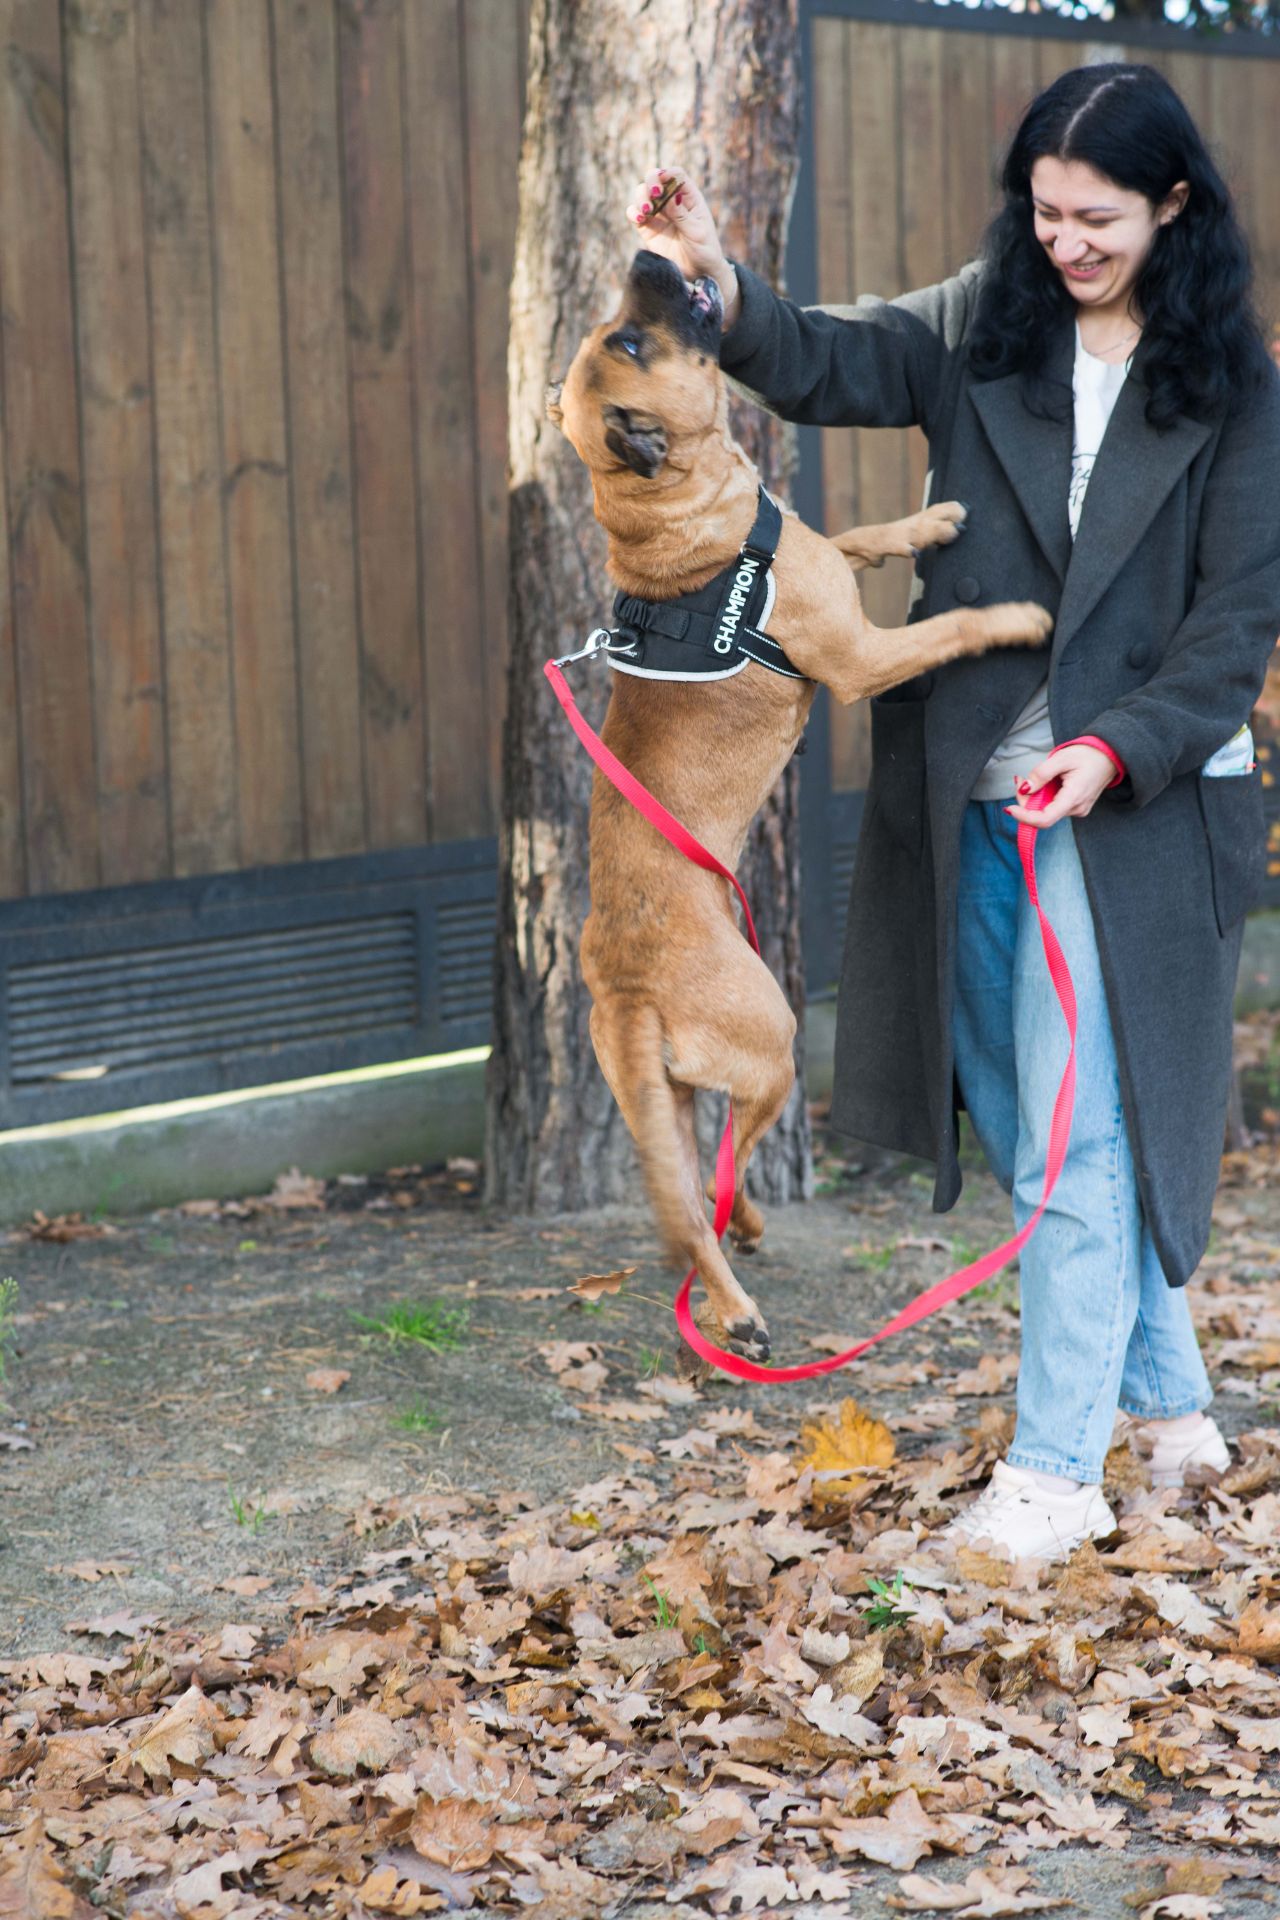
<point x="684" y="230"/>
<point x="1085" y="775"/>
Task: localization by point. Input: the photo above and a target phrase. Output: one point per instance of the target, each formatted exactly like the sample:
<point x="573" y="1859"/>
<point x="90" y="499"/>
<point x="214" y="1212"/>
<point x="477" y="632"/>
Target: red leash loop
<point x="965" y="1278"/>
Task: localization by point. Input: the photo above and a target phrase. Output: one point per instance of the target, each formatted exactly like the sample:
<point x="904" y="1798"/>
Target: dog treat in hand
<point x="673" y="186"/>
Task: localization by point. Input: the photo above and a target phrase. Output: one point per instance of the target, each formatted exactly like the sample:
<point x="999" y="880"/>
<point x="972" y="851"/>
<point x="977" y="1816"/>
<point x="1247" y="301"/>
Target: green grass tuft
<point x="438" y="1328"/>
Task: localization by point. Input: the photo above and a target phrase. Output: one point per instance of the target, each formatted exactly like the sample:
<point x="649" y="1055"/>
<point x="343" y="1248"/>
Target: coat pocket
<point x="1235" y="827"/>
<point x="897" y="764"/>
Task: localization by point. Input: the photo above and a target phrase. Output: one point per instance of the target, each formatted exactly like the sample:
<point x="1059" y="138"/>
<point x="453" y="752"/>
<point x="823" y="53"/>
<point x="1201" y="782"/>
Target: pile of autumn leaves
<point x="679" y="1686"/>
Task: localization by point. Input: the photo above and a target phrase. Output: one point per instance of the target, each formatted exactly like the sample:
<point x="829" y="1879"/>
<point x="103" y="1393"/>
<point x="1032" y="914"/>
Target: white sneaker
<point x="1170" y="1455"/>
<point x="1018" y="1517"/>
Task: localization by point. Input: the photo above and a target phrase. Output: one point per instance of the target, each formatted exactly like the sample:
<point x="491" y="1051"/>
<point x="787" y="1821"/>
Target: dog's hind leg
<point x="760" y="1092"/>
<point x="628" y="1040"/>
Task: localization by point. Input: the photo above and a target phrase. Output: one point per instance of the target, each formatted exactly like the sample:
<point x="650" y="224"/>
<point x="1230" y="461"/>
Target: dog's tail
<point x="629" y="1039"/>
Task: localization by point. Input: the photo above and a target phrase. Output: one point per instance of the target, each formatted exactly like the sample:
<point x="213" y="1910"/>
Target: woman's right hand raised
<point x="684" y="230"/>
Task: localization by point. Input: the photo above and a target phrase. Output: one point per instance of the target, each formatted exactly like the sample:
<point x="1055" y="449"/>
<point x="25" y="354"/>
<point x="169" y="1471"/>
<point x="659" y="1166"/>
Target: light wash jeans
<point x="1101" y="1327"/>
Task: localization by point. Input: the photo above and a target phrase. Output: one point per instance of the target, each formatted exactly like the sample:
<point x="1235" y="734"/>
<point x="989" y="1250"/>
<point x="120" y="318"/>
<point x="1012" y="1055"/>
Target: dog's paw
<point x="939" y="525"/>
<point x="1011" y="623"/>
<point x="750" y="1339"/>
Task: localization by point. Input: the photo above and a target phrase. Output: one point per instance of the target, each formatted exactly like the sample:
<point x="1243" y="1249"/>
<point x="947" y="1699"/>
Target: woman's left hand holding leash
<point x="1083" y="775"/>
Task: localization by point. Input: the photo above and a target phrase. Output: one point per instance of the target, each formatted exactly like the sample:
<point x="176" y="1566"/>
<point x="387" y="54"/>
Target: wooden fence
<point x="254" y="272"/>
<point x="254" y="266"/>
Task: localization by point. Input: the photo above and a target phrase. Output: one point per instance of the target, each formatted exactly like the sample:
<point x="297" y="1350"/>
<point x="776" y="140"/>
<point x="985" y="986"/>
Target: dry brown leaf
<point x="327" y="1379"/>
<point x="294" y="1191"/>
<point x="987" y="1894"/>
<point x="592" y="1286"/>
<point x="991" y="1375"/>
<point x="1196" y="1876"/>
<point x="359" y="1740"/>
<point x="1258" y="1632"/>
<point x="64" y="1227"/>
<point x="95" y="1570"/>
<point x="33" y="1884"/>
<point x="184" y="1738"/>
<point x="833" y="1448"/>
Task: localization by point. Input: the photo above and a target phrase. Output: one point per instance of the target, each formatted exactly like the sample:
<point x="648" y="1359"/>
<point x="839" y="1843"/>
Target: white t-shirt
<point x="1096" y="386"/>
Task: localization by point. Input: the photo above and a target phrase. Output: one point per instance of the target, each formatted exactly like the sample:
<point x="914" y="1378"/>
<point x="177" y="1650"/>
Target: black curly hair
<point x="1203" y="352"/>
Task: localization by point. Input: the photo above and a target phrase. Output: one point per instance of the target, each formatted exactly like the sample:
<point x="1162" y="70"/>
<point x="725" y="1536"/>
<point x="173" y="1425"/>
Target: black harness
<point x="713" y="633"/>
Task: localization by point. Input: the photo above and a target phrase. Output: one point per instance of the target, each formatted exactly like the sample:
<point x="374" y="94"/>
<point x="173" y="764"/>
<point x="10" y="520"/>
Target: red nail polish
<point x="647" y="207"/>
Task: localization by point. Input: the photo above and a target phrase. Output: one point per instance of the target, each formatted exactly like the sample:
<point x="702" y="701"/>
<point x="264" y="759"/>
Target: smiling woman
<point x="1094" y="387"/>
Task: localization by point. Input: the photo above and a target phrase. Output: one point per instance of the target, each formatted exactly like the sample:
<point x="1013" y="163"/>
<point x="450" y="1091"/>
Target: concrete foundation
<point x="416" y="1111"/>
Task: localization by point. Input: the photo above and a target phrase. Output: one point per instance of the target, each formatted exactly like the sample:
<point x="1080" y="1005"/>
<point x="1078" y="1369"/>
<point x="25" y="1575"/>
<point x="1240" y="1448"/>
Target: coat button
<point x="1139" y="655"/>
<point x="967" y="588"/>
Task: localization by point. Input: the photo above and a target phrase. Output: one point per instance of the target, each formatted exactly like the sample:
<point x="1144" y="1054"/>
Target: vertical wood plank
<point x="970" y="161"/>
<point x="323" y="532"/>
<point x="1058" y="56"/>
<point x="876" y="135"/>
<point x="1014" y="84"/>
<point x="200" y="721"/>
<point x="1186" y="73"/>
<point x="1230" y="138"/>
<point x="832" y="182"/>
<point x="836" y="286"/>
<point x="43" y="455"/>
<point x="924" y="232"/>
<point x="493" y="108"/>
<point x="383" y="420"/>
<point x="462" y="800"/>
<point x="1262" y="77"/>
<point x="119" y="477"/>
<point x="255" y="478"/>
<point x="13" y="866"/>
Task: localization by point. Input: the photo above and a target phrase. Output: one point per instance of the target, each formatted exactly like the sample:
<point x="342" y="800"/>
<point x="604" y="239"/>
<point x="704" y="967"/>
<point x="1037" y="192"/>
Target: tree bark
<point x="712" y="85"/>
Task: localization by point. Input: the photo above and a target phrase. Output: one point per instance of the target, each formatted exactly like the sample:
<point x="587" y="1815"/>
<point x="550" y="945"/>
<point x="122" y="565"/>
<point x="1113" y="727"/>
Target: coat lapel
<point x="1135" y="469"/>
<point x="1035" y="454"/>
<point x="1132" y="476"/>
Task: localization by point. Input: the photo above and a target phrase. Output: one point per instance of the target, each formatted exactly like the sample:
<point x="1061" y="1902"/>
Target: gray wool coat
<point x="1167" y="608"/>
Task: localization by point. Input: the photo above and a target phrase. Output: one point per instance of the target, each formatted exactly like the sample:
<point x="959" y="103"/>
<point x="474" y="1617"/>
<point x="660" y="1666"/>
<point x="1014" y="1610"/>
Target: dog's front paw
<point x="750" y="1339"/>
<point x="939" y="525"/>
<point x="1011" y="623"/>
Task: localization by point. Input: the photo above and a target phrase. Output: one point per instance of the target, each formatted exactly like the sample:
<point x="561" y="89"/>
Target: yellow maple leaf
<point x="835" y="1447"/>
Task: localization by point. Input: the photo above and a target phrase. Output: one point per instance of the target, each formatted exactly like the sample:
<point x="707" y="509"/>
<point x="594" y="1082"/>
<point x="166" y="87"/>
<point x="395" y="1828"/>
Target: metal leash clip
<point x="598" y="641"/>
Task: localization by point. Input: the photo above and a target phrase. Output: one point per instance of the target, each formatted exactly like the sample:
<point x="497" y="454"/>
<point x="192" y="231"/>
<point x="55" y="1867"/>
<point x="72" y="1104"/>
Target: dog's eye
<point x="629" y="345"/>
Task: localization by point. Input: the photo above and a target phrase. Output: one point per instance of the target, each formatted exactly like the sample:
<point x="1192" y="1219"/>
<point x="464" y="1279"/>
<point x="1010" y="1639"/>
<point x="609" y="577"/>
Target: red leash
<point x="955" y="1284"/>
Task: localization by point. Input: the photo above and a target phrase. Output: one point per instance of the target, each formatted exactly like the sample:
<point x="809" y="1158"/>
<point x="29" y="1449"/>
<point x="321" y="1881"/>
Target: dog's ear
<point x="642" y="448"/>
<point x="555" y="413"/>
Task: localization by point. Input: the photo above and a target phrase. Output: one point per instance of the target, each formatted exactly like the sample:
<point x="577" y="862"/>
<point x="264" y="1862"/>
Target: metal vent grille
<point x="464" y="935"/>
<point x="238" y="993"/>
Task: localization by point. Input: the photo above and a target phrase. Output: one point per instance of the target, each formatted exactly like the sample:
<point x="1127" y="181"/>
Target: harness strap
<point x="713" y="629"/>
<point x="965" y="1278"/>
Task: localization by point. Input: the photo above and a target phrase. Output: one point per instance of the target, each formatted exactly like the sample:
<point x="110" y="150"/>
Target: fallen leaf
<point x="183" y="1737"/>
<point x="593" y="1285"/>
<point x="987" y="1894"/>
<point x="360" y="1739"/>
<point x="327" y="1379"/>
<point x="834" y="1448"/>
<point x="94" y="1570"/>
<point x="294" y="1191"/>
<point x="33" y="1885"/>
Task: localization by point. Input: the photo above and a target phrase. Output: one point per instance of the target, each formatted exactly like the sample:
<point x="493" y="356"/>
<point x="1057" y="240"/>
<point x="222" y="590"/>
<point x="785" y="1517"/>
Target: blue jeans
<point x="1101" y="1327"/>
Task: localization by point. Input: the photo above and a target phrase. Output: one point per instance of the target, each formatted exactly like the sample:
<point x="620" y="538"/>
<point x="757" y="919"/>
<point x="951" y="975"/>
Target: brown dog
<point x="680" y="1000"/>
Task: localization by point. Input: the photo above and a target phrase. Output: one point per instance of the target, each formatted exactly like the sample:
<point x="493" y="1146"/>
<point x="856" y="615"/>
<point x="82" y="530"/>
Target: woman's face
<point x="1097" y="235"/>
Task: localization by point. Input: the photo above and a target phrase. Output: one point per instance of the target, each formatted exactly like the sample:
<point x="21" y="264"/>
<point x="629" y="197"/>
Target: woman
<point x="1112" y="298"/>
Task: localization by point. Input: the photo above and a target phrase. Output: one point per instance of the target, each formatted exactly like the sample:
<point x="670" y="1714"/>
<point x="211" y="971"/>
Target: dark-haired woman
<point x="1096" y="389"/>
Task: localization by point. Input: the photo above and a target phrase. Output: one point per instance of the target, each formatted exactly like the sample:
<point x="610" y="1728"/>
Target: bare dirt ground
<point x="182" y="1468"/>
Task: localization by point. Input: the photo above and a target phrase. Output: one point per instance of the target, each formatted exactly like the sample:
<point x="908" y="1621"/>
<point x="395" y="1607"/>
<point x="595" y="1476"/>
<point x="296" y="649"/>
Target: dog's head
<point x="644" y="388"/>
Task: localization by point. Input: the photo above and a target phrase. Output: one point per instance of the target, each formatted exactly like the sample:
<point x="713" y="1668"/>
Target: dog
<point x="679" y="999"/>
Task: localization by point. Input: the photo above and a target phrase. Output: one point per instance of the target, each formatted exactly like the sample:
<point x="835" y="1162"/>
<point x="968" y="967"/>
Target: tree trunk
<point x="712" y="85"/>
